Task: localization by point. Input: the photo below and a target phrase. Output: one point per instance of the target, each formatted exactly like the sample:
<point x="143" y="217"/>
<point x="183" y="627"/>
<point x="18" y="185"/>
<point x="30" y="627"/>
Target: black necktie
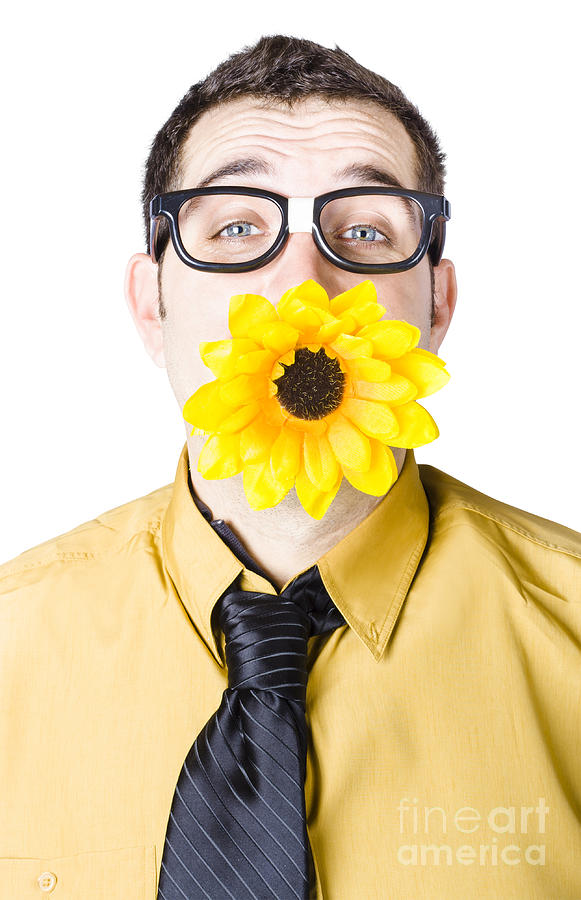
<point x="237" y="825"/>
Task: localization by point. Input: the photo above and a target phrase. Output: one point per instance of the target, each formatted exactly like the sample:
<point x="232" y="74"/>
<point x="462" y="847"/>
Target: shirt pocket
<point x="127" y="873"/>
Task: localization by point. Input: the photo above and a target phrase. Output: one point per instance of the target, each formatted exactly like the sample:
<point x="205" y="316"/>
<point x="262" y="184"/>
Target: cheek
<point x="196" y="310"/>
<point x="407" y="296"/>
<point x="197" y="304"/>
<point x="185" y="369"/>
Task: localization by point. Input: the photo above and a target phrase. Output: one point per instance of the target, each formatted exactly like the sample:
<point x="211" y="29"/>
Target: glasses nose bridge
<point x="300" y="214"/>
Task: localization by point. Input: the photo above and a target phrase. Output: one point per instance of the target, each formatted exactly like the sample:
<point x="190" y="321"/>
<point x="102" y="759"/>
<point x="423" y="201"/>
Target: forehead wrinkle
<point x="326" y="141"/>
<point x="373" y="131"/>
<point x="235" y="150"/>
<point x="308" y="108"/>
<point x="375" y="124"/>
<point x="387" y="147"/>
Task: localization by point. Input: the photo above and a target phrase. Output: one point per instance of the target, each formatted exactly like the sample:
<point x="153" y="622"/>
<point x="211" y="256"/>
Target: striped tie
<point x="237" y="825"/>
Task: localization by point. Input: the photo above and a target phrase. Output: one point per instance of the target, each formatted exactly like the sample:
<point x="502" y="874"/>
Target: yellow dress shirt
<point x="444" y="757"/>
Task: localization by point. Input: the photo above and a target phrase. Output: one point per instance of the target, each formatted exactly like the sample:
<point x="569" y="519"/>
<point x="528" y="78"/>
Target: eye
<point x="238" y="229"/>
<point x="364" y="233"/>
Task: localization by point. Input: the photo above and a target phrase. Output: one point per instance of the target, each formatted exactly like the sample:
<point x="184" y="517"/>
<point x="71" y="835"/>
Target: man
<point x="442" y="708"/>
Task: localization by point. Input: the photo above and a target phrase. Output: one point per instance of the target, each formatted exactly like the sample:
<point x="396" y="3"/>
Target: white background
<point x="89" y="422"/>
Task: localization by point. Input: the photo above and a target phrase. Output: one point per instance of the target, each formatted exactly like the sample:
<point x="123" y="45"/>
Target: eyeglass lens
<point x="233" y="228"/>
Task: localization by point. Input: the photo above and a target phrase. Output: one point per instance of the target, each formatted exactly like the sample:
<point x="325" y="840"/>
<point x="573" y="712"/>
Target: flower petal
<point x="276" y="336"/>
<point x="247" y="310"/>
<point x="367" y="313"/>
<point x="416" y="426"/>
<point x="368" y="369"/>
<point x="286" y="360"/>
<point x="240" y="418"/>
<point x="314" y="501"/>
<point x="312" y="426"/>
<point x="321" y="463"/>
<point x="372" y="418"/>
<point x="217" y="356"/>
<point x="391" y="337"/>
<point x="424" y="368"/>
<point x="348" y="322"/>
<point x="273" y="412"/>
<point x="395" y="390"/>
<point x="330" y="330"/>
<point x="310" y="292"/>
<point x="220" y="457"/>
<point x="205" y="408"/>
<point x="364" y="292"/>
<point x="301" y="315"/>
<point x="357" y="316"/>
<point x="285" y="454"/>
<point x="350" y="346"/>
<point x="221" y="356"/>
<point x="262" y="489"/>
<point x="244" y="388"/>
<point x="256" y="440"/>
<point x="257" y="361"/>
<point x="381" y="474"/>
<point x="350" y="446"/>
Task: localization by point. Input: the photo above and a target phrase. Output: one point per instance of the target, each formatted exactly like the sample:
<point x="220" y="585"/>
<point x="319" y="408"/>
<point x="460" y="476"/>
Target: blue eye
<point x="239" y="229"/>
<point x="367" y="233"/>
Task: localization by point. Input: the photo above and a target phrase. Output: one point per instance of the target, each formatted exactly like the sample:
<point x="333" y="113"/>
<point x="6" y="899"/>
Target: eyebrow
<point x="362" y="173"/>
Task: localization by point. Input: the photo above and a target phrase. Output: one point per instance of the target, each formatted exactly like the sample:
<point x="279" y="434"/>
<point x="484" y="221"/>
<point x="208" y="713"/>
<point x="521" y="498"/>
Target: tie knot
<point x="267" y="634"/>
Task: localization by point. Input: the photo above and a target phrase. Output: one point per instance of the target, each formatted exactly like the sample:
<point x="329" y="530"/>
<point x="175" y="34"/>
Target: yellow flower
<point x="311" y="391"/>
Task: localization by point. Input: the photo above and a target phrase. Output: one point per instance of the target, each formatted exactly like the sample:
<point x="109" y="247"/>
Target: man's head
<point x="307" y="112"/>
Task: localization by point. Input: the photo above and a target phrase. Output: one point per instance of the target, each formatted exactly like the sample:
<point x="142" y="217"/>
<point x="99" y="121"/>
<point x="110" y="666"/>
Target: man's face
<point x="305" y="147"/>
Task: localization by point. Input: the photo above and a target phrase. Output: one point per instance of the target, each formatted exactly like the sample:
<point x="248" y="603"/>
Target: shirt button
<point x="46" y="881"/>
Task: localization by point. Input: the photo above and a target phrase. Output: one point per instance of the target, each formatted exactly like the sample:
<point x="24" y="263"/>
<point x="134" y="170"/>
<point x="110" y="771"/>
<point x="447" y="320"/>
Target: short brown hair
<point x="281" y="70"/>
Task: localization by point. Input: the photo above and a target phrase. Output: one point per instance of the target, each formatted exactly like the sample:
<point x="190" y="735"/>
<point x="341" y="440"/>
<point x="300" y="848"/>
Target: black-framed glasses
<point x="237" y="229"/>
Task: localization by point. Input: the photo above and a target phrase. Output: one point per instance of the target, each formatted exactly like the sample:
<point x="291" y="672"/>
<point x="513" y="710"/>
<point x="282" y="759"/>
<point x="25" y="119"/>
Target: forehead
<point x="315" y="137"/>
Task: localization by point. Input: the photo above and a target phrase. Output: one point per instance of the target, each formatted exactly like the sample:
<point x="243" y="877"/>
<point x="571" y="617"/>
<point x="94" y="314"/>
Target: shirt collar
<point x="367" y="573"/>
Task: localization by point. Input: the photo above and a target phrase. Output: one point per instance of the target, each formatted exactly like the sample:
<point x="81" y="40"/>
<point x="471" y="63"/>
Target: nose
<point x="299" y="260"/>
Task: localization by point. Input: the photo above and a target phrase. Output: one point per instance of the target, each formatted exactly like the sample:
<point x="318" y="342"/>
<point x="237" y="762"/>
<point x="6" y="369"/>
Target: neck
<point x="283" y="539"/>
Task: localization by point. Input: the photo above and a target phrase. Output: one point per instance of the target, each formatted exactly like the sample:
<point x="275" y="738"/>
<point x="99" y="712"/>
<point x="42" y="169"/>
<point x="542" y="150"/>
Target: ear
<point x="445" y="293"/>
<point x="141" y="294"/>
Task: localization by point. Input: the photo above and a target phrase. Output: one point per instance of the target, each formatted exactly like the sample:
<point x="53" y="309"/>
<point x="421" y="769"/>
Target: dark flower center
<point x="312" y="386"/>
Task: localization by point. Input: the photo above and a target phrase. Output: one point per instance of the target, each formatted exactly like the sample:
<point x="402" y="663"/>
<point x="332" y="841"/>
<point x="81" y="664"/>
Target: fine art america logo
<point x="505" y="835"/>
